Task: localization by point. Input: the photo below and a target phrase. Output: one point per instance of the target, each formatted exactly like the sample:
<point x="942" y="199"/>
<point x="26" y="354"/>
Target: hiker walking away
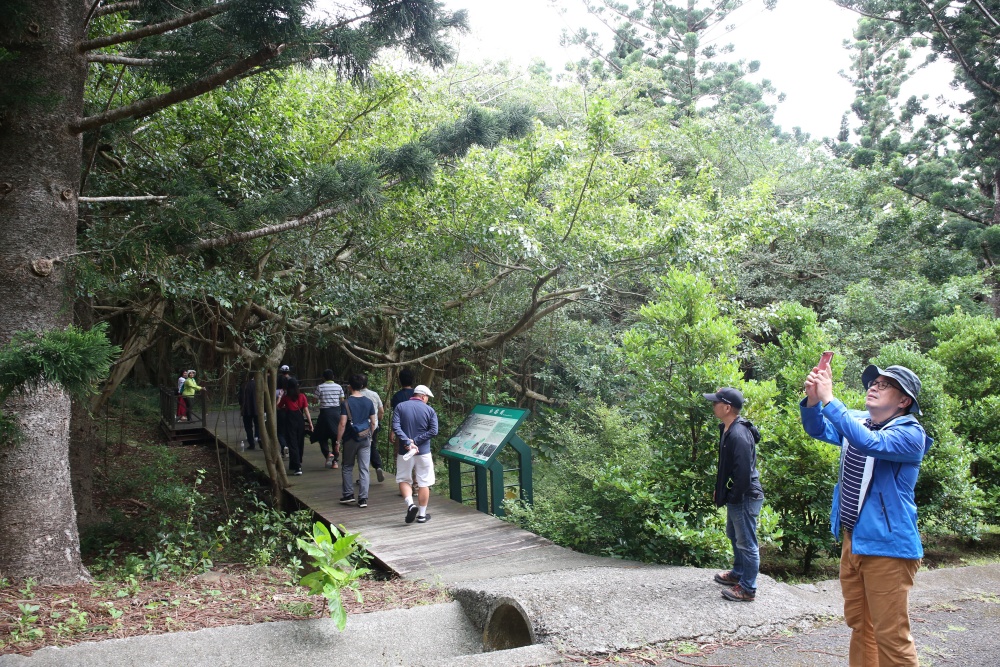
<point x="404" y="394"/>
<point x="379" y="412"/>
<point x="874" y="510"/>
<point x="281" y="418"/>
<point x="357" y="423"/>
<point x="415" y="423"/>
<point x="181" y="403"/>
<point x="187" y="394"/>
<point x="329" y="394"/>
<point x="296" y="407"/>
<point x="247" y="398"/>
<point x="737" y="486"/>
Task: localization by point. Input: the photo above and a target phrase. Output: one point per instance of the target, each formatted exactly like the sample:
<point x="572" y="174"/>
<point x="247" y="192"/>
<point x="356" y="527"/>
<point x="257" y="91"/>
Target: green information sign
<point x="477" y="442"/>
<point x="485" y="430"/>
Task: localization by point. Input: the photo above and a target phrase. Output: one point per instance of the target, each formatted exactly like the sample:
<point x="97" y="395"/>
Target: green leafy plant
<point x="331" y="553"/>
<point x="72" y="357"/>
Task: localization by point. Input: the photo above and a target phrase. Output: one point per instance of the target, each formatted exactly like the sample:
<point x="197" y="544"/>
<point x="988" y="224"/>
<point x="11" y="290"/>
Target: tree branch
<point x="100" y="200"/>
<point x="946" y="207"/>
<point x="454" y="303"/>
<point x="119" y="60"/>
<point x="156" y="28"/>
<point x="396" y="364"/>
<point x="958" y="54"/>
<point x="534" y="395"/>
<point x="194" y="89"/>
<point x="312" y="218"/>
<point x="117" y="8"/>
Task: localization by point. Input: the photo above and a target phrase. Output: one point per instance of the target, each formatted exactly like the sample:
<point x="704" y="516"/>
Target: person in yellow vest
<point x="187" y="393"/>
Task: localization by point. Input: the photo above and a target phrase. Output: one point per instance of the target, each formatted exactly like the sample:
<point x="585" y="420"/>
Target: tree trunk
<point x="39" y="175"/>
<point x="83" y="438"/>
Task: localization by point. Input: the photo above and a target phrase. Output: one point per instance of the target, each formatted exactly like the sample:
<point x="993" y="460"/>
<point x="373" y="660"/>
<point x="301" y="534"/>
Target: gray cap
<point x="423" y="390"/>
<point x="906" y="378"/>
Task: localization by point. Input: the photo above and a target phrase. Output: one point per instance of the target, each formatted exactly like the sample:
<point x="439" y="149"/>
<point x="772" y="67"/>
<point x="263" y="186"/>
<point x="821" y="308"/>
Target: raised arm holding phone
<point x="874" y="511"/>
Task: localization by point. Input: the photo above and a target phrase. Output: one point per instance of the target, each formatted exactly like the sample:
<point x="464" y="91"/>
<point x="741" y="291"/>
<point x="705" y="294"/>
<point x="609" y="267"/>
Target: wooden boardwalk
<point x="455" y="533"/>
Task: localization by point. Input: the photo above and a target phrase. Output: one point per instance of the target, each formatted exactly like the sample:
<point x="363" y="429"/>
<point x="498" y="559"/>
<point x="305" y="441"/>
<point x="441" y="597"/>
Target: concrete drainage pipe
<point x="507" y="626"/>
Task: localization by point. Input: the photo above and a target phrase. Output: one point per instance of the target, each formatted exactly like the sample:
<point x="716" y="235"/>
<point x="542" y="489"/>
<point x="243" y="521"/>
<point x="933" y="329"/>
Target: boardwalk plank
<point x="455" y="534"/>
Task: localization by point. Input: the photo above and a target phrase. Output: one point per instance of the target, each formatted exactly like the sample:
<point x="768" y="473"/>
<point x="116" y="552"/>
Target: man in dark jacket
<point x="737" y="486"/>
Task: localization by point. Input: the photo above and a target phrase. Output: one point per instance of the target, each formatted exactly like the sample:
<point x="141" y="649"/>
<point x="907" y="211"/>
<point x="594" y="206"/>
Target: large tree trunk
<point x="39" y="176"/>
<point x="83" y="439"/>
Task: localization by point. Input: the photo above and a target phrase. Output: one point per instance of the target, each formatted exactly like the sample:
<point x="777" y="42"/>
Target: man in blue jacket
<point x="737" y="486"/>
<point x="415" y="423"/>
<point x="873" y="505"/>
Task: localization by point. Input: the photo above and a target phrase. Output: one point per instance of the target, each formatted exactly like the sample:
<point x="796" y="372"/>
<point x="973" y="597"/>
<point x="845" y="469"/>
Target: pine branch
<point x="946" y="207"/>
<point x="117" y="8"/>
<point x="201" y="86"/>
<point x="101" y="200"/>
<point x="312" y="218"/>
<point x="156" y="28"/>
<point x="958" y="54"/>
<point x="120" y="60"/>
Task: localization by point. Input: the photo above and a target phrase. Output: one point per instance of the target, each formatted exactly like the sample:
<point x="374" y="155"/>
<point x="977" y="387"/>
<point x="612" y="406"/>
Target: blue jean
<point x="741" y="529"/>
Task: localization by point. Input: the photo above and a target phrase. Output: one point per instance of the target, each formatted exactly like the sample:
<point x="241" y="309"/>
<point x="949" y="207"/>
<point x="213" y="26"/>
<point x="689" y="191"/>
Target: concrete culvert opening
<point x="507" y="627"/>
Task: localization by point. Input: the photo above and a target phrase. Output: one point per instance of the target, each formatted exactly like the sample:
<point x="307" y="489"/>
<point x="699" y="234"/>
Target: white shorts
<point x="424" y="466"/>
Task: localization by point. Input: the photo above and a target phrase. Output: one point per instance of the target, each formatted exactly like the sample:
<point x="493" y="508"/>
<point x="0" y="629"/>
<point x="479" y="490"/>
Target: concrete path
<point x="576" y="610"/>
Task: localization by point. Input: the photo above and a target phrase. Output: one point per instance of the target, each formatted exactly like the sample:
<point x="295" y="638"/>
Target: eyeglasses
<point x="883" y="384"/>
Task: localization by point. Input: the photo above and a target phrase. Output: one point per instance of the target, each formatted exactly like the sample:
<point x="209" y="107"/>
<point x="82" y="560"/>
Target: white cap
<point x="422" y="389"/>
<point x="284" y="368"/>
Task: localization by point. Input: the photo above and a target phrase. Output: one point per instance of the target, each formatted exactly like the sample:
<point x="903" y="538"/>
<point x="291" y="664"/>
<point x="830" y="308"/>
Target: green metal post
<point x="525" y="474"/>
<point x="496" y="487"/>
<point x="482" y="497"/>
<point x="455" y="479"/>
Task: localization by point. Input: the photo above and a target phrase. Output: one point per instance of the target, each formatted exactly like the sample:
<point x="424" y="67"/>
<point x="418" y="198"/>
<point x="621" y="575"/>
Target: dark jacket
<point x="738" y="478"/>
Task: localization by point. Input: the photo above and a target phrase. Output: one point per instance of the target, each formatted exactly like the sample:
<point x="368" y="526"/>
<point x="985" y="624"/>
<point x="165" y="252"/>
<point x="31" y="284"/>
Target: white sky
<point x="799" y="46"/>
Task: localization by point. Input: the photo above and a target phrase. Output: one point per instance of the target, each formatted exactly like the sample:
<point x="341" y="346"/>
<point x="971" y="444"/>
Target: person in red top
<point x="297" y="406"/>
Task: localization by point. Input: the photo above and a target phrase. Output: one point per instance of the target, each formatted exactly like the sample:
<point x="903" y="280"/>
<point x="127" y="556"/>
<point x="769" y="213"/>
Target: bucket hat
<point x="906" y="378"/>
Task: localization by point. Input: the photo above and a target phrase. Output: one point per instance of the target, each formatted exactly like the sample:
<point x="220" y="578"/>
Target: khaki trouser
<point x="876" y="607"/>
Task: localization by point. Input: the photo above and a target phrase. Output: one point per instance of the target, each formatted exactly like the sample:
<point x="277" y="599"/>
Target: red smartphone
<point x="824" y="360"/>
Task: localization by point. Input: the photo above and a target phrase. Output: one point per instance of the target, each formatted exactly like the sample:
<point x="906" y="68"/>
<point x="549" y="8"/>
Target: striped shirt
<point x="855" y="478"/>
<point x="329" y="394"/>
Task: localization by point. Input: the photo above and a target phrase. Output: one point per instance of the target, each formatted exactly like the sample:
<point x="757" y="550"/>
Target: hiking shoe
<point x="380" y="475"/>
<point x="330" y="461"/>
<point x="726" y="578"/>
<point x="335" y="466"/>
<point x="362" y="502"/>
<point x="346" y="500"/>
<point x="411" y="513"/>
<point x="424" y="519"/>
<point x="738" y="594"/>
<point x="297" y="472"/>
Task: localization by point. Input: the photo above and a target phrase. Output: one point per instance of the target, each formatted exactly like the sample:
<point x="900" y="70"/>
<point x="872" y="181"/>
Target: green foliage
<point x="681" y="347"/>
<point x="800" y="472"/>
<point x="74" y="358"/>
<point x="334" y="570"/>
<point x="587" y="445"/>
<point x="969" y="349"/>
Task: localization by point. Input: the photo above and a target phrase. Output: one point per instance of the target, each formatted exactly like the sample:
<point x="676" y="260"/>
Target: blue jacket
<point x="414" y="420"/>
<point x="887" y="522"/>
